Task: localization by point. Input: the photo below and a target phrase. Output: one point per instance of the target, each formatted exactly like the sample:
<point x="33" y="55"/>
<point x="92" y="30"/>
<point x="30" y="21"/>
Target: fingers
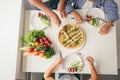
<point x="89" y="59"/>
<point x="63" y="14"/>
<point x="56" y="20"/>
<point x="79" y="20"/>
<point x="103" y="31"/>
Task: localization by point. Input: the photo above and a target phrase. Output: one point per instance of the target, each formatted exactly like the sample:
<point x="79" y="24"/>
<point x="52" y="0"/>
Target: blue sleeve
<point x="68" y="6"/>
<point x="111" y="9"/>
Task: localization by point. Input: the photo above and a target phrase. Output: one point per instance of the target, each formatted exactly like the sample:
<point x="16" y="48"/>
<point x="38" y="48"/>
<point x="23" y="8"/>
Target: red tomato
<point x="45" y="38"/>
<point x="42" y="51"/>
<point x="30" y="49"/>
<point x="69" y="69"/>
<point x="40" y="40"/>
<point x="39" y="14"/>
<point x="37" y="53"/>
<point x="89" y="19"/>
<point x="75" y="69"/>
<point x="72" y="69"/>
<point x="35" y="50"/>
<point x="48" y="43"/>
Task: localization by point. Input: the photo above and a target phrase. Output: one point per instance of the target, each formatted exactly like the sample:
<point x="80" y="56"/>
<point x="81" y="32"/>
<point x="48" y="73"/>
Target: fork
<point x="62" y="57"/>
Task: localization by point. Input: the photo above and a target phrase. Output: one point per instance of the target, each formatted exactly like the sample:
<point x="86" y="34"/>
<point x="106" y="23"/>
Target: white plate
<point x="35" y="21"/>
<point x="96" y="12"/>
<point x="71" y="58"/>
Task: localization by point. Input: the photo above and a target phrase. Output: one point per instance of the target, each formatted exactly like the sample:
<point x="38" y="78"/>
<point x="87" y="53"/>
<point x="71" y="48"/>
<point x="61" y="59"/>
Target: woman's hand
<point x="53" y="17"/>
<point x="105" y="28"/>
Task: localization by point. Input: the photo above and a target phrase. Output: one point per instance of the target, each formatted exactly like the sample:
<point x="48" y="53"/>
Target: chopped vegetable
<point x="92" y="20"/>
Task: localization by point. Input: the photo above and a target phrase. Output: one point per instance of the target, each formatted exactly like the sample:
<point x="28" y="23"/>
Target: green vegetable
<point x="77" y="42"/>
<point x="40" y="47"/>
<point x="45" y="20"/>
<point x="30" y="35"/>
<point x="94" y="22"/>
<point x="64" y="42"/>
<point x="76" y="64"/>
<point x="49" y="52"/>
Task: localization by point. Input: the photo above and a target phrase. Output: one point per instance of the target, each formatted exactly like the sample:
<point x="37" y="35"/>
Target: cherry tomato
<point x="39" y="14"/>
<point x="30" y="49"/>
<point x="42" y="51"/>
<point x="35" y="50"/>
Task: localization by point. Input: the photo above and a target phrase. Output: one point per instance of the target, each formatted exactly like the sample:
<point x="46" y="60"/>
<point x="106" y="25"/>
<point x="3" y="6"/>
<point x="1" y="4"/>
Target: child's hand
<point x="105" y="28"/>
<point x="58" y="60"/>
<point x="55" y="18"/>
<point x="89" y="59"/>
<point x="77" y="17"/>
<point x="60" y="8"/>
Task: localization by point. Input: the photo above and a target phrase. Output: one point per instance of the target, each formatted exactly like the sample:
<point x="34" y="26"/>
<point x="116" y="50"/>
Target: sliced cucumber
<point x="75" y="64"/>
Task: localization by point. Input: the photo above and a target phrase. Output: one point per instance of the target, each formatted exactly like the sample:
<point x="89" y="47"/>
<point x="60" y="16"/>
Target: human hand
<point x="89" y="59"/>
<point x="77" y="17"/>
<point x="58" y="60"/>
<point x="105" y="28"/>
<point x="62" y="11"/>
<point x="55" y="18"/>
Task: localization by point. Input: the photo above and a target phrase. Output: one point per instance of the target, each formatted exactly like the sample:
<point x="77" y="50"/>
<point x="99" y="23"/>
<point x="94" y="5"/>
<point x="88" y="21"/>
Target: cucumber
<point x="75" y="64"/>
<point x="96" y="22"/>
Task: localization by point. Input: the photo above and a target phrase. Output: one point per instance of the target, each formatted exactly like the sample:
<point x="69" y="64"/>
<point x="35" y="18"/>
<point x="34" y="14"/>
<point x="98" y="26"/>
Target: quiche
<point x="71" y="36"/>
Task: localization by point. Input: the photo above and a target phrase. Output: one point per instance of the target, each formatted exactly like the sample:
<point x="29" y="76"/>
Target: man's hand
<point x="53" y="17"/>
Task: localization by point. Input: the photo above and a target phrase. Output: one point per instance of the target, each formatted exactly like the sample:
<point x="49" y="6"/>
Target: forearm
<point x="62" y="2"/>
<point x="48" y="73"/>
<point x="93" y="72"/>
<point x="39" y="4"/>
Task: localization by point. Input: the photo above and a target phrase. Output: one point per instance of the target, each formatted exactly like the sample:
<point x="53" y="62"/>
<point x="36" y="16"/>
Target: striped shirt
<point x="109" y="6"/>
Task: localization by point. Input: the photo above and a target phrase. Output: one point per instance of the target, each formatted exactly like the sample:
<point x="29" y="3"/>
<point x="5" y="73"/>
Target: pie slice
<point x="71" y="36"/>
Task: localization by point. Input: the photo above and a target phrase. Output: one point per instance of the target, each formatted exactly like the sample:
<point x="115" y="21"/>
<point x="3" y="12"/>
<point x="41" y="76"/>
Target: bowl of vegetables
<point x="37" y="43"/>
<point x="95" y="17"/>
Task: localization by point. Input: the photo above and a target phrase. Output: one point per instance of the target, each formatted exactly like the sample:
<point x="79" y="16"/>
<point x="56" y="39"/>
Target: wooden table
<point x="103" y="48"/>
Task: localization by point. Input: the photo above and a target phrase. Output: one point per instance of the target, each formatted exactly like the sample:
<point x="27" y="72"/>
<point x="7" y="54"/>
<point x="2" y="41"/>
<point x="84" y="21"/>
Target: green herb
<point x="45" y="20"/>
<point x="64" y="42"/>
<point x="76" y="29"/>
<point x="77" y="42"/>
<point x="70" y="37"/>
<point x="40" y="47"/>
<point x="28" y="38"/>
<point x="49" y="52"/>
